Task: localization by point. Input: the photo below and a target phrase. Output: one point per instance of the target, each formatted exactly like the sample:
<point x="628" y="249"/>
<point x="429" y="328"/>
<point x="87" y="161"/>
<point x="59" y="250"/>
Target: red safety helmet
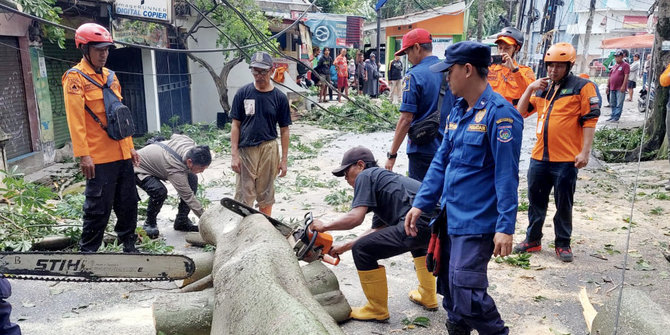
<point x="92" y="33"/>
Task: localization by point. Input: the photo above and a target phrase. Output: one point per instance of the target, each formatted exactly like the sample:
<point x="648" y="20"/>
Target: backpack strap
<point x="93" y="81"/>
<point x="110" y="78"/>
<point x="95" y="117"/>
<point x="171" y="151"/>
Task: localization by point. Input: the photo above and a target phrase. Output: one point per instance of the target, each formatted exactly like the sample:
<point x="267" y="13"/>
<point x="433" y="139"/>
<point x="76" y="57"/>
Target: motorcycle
<point x="642" y="100"/>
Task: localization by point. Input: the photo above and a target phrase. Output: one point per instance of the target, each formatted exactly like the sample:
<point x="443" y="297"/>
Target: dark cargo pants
<point x="112" y="188"/>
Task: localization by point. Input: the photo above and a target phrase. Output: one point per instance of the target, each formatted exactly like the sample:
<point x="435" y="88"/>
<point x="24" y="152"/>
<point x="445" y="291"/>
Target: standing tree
<point x="232" y="33"/>
<point x="655" y="145"/>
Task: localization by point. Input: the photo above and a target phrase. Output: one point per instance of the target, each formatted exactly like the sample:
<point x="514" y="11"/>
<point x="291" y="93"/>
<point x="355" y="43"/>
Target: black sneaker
<point x="526" y="246"/>
<point x="564" y="254"/>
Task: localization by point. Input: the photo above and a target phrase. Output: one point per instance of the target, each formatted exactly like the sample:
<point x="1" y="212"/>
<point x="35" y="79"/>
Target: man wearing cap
<point x="617" y="84"/>
<point x="256" y="111"/>
<point x="389" y="196"/>
<point x="106" y="163"/>
<point x="474" y="176"/>
<point x="510" y="78"/>
<point x="419" y="107"/>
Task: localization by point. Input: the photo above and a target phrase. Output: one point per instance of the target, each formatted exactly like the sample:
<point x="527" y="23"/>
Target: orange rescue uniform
<point x="665" y="77"/>
<point x="88" y="138"/>
<point x="563" y="110"/>
<point x="510" y="85"/>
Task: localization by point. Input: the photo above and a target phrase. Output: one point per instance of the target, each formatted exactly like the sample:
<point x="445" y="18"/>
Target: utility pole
<point x="548" y="24"/>
<point x="480" y="19"/>
<point x="587" y="36"/>
<point x="511" y="5"/>
<point x="520" y="9"/>
<point x="379" y="31"/>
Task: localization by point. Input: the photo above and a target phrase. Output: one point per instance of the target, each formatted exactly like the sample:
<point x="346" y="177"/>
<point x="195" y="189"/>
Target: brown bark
<point x="655" y="134"/>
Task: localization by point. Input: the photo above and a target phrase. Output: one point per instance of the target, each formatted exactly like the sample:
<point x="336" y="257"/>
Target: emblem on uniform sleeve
<point x="405" y="83"/>
<point x="594" y="100"/>
<point x="480" y="115"/>
<point x="73" y="86"/>
<point x="504" y="134"/>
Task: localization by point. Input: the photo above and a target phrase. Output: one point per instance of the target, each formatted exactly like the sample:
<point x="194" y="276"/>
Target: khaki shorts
<point x="259" y="168"/>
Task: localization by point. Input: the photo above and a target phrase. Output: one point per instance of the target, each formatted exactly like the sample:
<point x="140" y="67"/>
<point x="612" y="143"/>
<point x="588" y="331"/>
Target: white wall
<point x="204" y="97"/>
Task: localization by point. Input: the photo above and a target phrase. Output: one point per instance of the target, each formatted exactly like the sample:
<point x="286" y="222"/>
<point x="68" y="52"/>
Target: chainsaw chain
<point x="92" y="279"/>
<point x="84" y="280"/>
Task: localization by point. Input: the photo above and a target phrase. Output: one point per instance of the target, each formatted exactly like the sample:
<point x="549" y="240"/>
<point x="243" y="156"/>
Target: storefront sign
<point x="159" y="10"/>
<point x="140" y="32"/>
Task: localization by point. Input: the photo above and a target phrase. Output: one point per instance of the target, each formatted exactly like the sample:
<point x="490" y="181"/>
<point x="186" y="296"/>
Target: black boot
<point x="182" y="222"/>
<point x="456" y="329"/>
<point x="129" y="244"/>
<point x="150" y="225"/>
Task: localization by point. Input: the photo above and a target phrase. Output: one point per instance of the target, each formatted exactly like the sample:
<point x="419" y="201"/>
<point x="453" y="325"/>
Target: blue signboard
<point x="328" y="30"/>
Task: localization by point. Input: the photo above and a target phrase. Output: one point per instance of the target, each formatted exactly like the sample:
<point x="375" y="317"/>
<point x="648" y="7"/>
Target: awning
<point x="628" y="42"/>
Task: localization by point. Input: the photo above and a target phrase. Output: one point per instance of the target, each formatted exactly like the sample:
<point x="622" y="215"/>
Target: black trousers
<point x="542" y="177"/>
<point x="112" y="188"/>
<point x="390" y="241"/>
<point x="158" y="193"/>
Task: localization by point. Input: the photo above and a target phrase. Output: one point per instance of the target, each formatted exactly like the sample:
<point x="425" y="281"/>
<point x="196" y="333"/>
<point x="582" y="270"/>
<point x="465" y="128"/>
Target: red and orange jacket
<point x="510" y="85"/>
<point x="88" y="138"/>
<point x="563" y="110"/>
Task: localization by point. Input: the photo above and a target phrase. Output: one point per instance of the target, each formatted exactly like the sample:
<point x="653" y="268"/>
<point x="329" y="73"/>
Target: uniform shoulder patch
<point x="504" y="134"/>
<point x="594" y="100"/>
<point x="505" y="119"/>
<point x="406" y="83"/>
<point x="73" y="85"/>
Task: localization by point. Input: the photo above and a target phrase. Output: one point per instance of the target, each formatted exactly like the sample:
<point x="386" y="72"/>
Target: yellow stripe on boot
<point x="425" y="295"/>
<point x="374" y="286"/>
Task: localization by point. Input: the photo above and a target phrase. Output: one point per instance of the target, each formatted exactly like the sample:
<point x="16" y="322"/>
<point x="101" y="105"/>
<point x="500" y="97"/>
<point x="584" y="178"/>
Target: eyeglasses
<point x="256" y="72"/>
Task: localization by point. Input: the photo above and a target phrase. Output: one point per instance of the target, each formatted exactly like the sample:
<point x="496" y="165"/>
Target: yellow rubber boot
<point x="374" y="286"/>
<point x="425" y="295"/>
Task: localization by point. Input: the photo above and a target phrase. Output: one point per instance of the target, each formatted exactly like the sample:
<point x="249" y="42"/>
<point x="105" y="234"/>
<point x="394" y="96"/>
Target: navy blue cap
<point x="475" y="53"/>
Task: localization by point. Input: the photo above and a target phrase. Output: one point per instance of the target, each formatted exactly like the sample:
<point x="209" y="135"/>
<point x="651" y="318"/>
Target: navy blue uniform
<point x="6" y="327"/>
<point x="421" y="89"/>
<point x="475" y="177"/>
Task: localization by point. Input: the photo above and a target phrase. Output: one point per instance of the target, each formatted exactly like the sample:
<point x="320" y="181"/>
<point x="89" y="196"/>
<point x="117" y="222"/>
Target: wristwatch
<point x="391" y="156"/>
<point x="516" y="69"/>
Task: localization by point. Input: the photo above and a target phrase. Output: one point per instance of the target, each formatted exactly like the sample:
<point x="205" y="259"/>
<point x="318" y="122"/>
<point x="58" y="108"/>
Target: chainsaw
<point x="307" y="244"/>
<point x="94" y="267"/>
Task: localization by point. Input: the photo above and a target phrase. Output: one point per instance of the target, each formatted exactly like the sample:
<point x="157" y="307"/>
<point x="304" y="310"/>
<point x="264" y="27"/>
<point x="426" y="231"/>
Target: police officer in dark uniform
<point x="420" y="96"/>
<point x="6" y="327"/>
<point x="476" y="171"/>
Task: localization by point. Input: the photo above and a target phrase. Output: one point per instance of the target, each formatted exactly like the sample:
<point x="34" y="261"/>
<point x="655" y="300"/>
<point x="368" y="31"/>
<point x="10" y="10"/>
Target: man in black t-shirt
<point x="256" y="111"/>
<point x="389" y="196"/>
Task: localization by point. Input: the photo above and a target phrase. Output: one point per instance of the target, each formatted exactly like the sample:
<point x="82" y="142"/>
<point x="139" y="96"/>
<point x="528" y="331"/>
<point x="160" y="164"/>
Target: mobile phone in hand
<point x="496" y="59"/>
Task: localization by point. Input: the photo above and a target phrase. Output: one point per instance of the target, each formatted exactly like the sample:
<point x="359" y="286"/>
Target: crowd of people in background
<point x="350" y="70"/>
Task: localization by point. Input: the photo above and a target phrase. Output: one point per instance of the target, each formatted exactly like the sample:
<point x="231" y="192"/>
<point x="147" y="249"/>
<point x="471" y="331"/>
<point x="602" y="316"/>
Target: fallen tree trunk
<point x="325" y="288"/>
<point x="184" y="313"/>
<point x="259" y="286"/>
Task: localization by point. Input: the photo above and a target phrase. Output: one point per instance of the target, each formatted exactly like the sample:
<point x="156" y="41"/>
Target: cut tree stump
<point x="259" y="286"/>
<point x="203" y="267"/>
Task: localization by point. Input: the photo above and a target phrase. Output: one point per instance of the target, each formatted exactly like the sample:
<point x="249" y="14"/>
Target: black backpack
<point x="119" y="117"/>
